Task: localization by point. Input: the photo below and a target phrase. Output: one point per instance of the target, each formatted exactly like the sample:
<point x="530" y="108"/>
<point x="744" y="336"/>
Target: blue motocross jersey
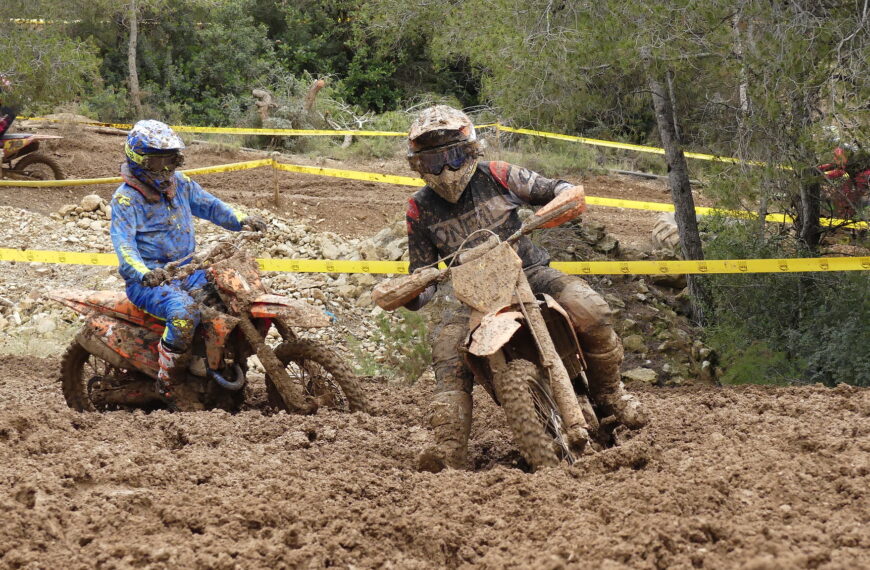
<point x="148" y="234"/>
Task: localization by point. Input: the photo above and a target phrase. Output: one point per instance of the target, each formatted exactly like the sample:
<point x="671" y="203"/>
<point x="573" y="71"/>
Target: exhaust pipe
<point x="237" y="384"/>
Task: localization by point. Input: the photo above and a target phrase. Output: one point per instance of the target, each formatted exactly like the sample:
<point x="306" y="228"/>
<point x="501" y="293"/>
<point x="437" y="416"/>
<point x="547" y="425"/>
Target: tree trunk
<point x="681" y="191"/>
<point x="810" y="210"/>
<point x="135" y="95"/>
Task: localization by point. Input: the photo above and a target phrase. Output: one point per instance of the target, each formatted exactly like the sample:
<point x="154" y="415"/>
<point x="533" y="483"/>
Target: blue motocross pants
<point x="172" y="303"/>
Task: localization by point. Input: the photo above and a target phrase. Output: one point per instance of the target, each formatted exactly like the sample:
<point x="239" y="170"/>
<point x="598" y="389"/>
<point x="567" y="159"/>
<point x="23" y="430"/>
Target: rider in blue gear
<point x="152" y="225"/>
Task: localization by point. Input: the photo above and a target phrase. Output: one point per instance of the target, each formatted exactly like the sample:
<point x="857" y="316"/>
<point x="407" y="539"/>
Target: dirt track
<point x="755" y="477"/>
<point x="751" y="477"/>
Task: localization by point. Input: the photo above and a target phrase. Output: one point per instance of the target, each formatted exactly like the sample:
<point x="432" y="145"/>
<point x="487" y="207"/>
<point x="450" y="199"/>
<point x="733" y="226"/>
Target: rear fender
<point x="112" y="303"/>
<point x="293" y="312"/>
<point x="137" y="346"/>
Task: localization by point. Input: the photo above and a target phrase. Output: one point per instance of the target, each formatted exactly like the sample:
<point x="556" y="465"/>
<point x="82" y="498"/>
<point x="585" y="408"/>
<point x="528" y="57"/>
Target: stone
<point x="84" y="224"/>
<point x="328" y="248"/>
<point x="641" y="374"/>
<point x="66" y="210"/>
<point x="671" y="281"/>
<point x="614" y="301"/>
<point x="44" y="324"/>
<point x="592" y="232"/>
<point x="96" y="225"/>
<point x="634" y="343"/>
<point x="608" y="245"/>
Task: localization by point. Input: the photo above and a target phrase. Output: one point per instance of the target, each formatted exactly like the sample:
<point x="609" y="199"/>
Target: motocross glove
<point x="422" y="299"/>
<point x="155" y="277"/>
<point x="255" y="223"/>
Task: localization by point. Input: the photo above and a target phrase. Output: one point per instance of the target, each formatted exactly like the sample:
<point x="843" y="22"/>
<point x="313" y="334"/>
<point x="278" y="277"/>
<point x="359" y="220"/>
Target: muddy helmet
<point x="153" y="153"/>
<point x="154" y="146"/>
<point x="443" y="148"/>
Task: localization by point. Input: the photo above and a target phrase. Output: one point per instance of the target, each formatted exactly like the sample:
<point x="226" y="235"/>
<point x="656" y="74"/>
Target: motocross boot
<point x="608" y="390"/>
<point x="451" y="422"/>
<point x="170" y="374"/>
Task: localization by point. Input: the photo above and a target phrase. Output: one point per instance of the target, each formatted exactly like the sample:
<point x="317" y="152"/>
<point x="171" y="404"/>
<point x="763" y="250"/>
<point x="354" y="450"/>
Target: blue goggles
<point x="435" y="160"/>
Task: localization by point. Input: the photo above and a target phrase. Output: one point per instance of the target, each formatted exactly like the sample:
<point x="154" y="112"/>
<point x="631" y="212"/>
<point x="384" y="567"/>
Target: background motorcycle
<point x="21" y="161"/>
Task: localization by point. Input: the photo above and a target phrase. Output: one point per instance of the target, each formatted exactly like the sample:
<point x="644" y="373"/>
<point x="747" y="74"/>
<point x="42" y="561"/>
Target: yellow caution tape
<point x="117" y="180"/>
<point x="352" y="174"/>
<point x="247" y="165"/>
<point x="629" y="146"/>
<point x="332" y="266"/>
<point x="57" y="183"/>
<point x="418" y="182"/>
<point x="709" y="266"/>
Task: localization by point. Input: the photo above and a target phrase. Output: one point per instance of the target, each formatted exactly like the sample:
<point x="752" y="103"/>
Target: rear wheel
<point x="36" y="166"/>
<point x="90" y="384"/>
<point x="321" y="373"/>
<point x="524" y="413"/>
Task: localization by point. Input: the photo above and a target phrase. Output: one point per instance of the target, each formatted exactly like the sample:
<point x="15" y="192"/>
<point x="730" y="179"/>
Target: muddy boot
<point x="451" y="423"/>
<point x="170" y="374"/>
<point x="609" y="392"/>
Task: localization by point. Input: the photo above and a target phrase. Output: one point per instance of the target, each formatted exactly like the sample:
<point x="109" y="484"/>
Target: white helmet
<point x="443" y="148"/>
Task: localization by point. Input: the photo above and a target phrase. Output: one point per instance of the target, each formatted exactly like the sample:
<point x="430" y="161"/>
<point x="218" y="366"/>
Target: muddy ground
<point x="751" y="477"/>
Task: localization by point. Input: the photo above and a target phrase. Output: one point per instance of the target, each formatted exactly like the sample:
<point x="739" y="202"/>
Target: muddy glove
<point x="420" y="300"/>
<point x="255" y="223"/>
<point x="155" y="277"/>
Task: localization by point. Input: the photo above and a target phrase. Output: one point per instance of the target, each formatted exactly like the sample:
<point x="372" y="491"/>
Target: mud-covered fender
<point x="137" y="346"/>
<point x="294" y="312"/>
<point x="495" y="330"/>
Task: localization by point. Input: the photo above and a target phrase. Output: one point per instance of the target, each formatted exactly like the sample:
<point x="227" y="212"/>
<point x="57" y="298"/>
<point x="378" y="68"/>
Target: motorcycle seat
<point x="113" y="303"/>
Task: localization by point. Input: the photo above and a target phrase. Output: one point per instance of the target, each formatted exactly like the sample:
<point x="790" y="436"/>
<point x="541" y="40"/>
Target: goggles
<point x="435" y="160"/>
<point x="163" y="162"/>
<point x="160" y="162"/>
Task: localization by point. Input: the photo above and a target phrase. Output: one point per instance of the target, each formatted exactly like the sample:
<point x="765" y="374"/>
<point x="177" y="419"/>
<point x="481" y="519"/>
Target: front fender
<point x="495" y="330"/>
<point x="292" y="311"/>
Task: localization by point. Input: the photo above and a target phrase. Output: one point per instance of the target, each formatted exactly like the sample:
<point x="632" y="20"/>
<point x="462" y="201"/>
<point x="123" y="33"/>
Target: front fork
<point x="290" y="392"/>
<point x="577" y="429"/>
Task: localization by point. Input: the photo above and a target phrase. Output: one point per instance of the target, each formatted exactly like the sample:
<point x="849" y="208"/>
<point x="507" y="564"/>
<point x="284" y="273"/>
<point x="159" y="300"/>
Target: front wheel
<point x="321" y="373"/>
<point x="514" y="388"/>
<point x="36" y="166"/>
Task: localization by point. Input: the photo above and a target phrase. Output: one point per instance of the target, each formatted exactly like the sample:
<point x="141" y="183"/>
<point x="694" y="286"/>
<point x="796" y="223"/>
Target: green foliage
<point x="404" y="340"/>
<point x="809" y="327"/>
<point x="45" y="65"/>
<point x="554" y="159"/>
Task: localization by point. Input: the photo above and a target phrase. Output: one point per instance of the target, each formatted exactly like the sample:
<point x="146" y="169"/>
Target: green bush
<point x="790" y="327"/>
<point x="404" y="339"/>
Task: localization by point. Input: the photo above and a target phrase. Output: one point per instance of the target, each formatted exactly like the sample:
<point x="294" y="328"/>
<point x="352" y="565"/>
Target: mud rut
<point x="735" y="477"/>
<point x="750" y="477"/>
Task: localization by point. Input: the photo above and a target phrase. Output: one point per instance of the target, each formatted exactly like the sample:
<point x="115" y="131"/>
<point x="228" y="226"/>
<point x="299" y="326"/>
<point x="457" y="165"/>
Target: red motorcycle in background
<point x="21" y="160"/>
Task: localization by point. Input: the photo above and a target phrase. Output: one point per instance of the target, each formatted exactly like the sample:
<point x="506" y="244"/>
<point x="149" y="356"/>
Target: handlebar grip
<point x="398" y="292"/>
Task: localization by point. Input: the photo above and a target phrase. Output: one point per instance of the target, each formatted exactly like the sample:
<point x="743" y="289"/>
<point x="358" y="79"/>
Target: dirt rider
<point x="7" y="113"/>
<point x="851" y="168"/>
<point x="152" y="225"/>
<point x="462" y="195"/>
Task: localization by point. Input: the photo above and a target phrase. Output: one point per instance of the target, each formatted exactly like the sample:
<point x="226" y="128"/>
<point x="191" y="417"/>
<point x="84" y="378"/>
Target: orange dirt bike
<point x="112" y="363"/>
<point x="521" y="347"/>
<point x="21" y="161"/>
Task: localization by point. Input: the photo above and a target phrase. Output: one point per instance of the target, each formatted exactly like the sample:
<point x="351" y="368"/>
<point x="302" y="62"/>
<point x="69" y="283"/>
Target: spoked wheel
<point x="36" y="166"/>
<point x="322" y="374"/>
<point x="528" y="415"/>
<point x="90" y="384"/>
